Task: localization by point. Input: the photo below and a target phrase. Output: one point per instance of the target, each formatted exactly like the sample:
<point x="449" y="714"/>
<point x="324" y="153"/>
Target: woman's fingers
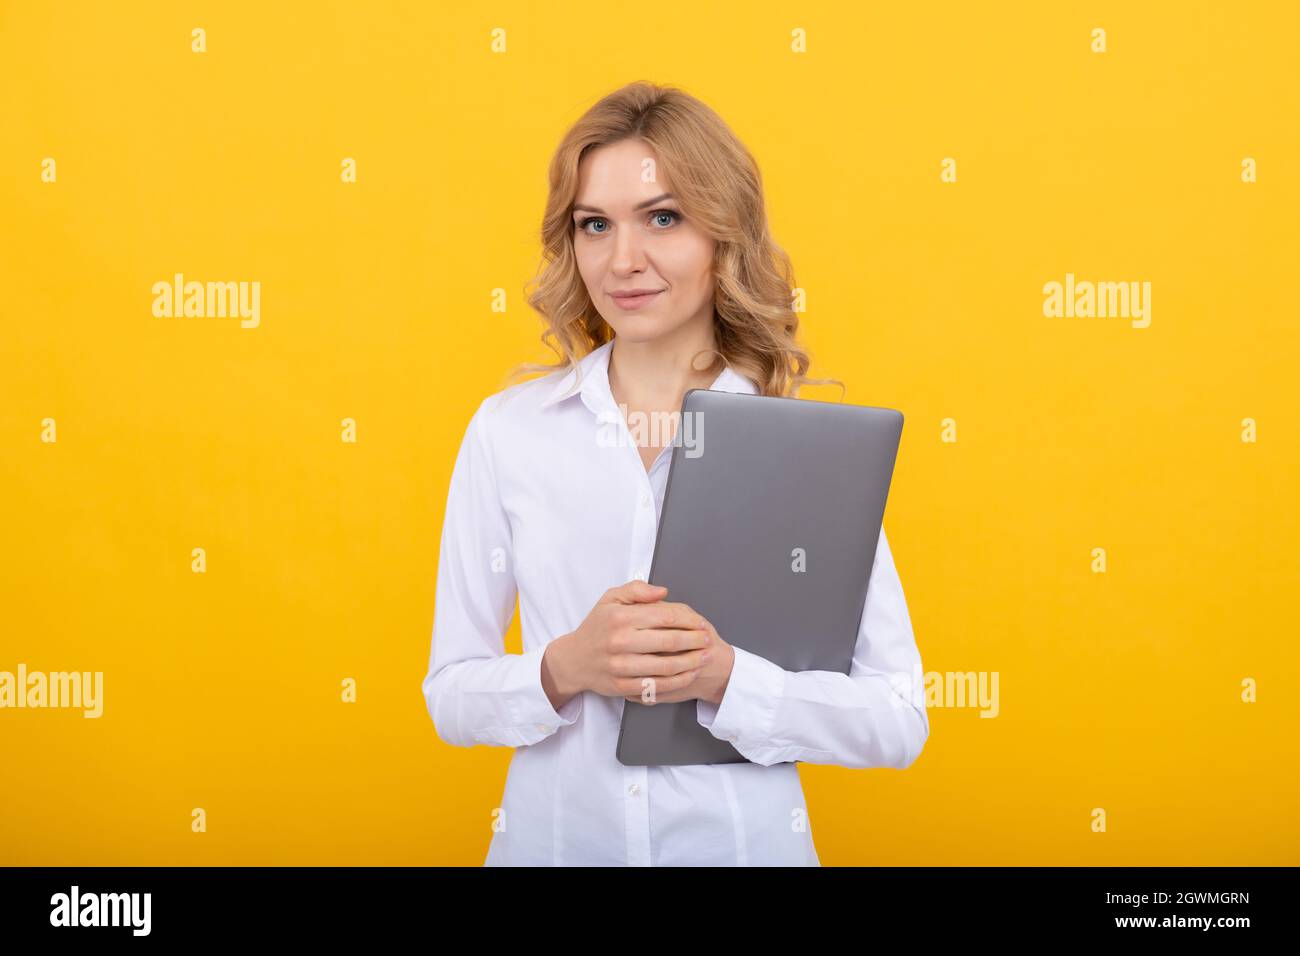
<point x="666" y="690"/>
<point x="661" y="640"/>
<point x="658" y="665"/>
<point x="658" y="614"/>
<point x="634" y="592"/>
<point x="657" y="688"/>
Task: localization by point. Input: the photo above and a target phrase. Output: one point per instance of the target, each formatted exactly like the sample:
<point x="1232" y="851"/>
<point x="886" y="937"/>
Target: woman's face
<point x="630" y="235"/>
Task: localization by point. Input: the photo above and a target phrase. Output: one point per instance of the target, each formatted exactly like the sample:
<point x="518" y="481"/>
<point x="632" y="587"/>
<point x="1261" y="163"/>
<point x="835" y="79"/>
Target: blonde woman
<point x="659" y="275"/>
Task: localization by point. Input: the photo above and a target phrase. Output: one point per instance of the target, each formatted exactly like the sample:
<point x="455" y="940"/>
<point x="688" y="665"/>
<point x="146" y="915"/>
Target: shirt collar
<point x="591" y="381"/>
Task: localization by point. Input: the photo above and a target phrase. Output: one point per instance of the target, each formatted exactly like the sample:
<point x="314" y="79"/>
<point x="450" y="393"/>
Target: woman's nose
<point x="629" y="256"/>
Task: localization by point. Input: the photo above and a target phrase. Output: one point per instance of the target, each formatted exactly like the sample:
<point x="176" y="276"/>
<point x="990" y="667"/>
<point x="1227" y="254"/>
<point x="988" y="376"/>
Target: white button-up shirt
<point x="549" y="501"/>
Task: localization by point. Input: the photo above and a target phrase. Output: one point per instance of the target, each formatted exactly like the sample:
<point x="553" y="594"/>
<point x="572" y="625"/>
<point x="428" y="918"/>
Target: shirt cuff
<point x="531" y="712"/>
<point x="747" y="713"/>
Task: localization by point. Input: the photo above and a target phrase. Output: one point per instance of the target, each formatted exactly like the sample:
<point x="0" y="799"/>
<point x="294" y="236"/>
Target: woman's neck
<point x="653" y="376"/>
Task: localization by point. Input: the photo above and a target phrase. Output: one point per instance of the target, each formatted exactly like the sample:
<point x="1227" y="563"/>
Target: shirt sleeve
<point x="873" y="716"/>
<point x="474" y="691"/>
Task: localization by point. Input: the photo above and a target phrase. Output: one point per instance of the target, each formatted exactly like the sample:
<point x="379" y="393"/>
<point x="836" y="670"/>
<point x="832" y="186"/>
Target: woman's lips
<point x="634" y="301"/>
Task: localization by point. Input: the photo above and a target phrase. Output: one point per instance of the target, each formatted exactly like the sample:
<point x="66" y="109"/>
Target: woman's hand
<point x="630" y="637"/>
<point x="710" y="683"/>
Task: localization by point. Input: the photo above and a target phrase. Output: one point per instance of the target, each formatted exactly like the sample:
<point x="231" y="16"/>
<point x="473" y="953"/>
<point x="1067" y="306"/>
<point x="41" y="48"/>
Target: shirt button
<point x="633" y="790"/>
<point x="645" y="501"/>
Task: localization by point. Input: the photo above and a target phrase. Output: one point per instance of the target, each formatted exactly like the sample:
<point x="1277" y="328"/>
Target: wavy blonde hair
<point x="719" y="186"/>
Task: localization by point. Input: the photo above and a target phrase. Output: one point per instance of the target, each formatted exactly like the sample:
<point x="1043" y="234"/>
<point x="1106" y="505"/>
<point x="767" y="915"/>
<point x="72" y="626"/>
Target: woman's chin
<point x="639" y="328"/>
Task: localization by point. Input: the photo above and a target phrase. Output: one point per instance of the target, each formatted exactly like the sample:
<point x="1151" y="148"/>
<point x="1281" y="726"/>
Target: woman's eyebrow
<point x="640" y="205"/>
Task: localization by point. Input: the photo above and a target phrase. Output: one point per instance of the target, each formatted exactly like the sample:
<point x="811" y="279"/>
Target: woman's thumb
<point x="640" y="590"/>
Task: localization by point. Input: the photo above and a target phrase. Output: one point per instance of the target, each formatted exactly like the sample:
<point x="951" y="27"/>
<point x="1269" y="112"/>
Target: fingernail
<point x="705" y="656"/>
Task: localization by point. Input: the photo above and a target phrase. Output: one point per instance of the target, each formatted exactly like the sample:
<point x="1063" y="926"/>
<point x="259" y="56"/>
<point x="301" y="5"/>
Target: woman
<point x="660" y="275"/>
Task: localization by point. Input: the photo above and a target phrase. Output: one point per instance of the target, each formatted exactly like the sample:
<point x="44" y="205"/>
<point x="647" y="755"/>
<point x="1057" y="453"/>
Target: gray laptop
<point x="770" y="521"/>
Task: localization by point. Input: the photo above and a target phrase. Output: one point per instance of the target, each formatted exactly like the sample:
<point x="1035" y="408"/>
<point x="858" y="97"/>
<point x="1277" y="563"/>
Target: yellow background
<point x="1119" y="690"/>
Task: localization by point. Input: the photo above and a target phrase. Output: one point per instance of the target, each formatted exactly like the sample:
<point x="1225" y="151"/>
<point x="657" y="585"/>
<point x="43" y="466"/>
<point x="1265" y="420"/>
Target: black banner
<point x="206" y="904"/>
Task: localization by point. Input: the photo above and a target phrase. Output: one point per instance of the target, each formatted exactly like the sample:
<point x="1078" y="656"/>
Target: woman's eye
<point x="658" y="216"/>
